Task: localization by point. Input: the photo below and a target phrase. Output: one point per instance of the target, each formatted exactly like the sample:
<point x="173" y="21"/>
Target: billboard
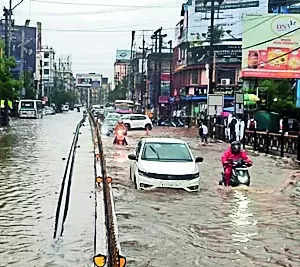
<point x="88" y="80"/>
<point x="228" y="17"/>
<point x="270" y="46"/>
<point x="29" y="43"/>
<point x="123" y="55"/>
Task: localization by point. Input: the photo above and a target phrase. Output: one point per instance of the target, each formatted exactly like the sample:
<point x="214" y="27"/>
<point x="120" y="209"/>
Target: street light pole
<point x="211" y="47"/>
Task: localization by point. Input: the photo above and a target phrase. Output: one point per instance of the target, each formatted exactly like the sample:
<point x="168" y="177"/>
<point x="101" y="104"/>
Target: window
<point x="46" y="64"/>
<point x="195" y="77"/>
<point x="46" y="72"/>
<point x="140" y="118"/>
<point x="46" y="55"/>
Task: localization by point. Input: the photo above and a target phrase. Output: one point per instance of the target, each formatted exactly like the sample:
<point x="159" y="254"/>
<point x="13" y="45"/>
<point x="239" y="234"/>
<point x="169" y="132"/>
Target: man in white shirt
<point x="203" y="132"/>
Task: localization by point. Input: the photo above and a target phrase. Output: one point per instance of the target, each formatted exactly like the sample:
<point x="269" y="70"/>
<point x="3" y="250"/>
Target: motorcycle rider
<point x="233" y="153"/>
<point x="120" y="127"/>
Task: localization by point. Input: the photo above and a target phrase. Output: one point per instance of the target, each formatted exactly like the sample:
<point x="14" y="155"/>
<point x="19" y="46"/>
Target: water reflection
<point x="242" y="218"/>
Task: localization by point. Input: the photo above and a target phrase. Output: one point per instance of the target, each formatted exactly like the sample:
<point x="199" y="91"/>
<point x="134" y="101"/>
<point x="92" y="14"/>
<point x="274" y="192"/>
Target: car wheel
<point x="148" y="127"/>
<point x="127" y="125"/>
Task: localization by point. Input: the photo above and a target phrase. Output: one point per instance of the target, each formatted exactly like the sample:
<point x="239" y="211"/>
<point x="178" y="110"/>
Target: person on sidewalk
<point x="233" y="153"/>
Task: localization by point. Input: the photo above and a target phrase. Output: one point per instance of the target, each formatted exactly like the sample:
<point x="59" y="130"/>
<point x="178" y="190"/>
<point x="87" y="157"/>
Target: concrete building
<point x="45" y="72"/>
<point x="65" y="74"/>
<point x="121" y="66"/>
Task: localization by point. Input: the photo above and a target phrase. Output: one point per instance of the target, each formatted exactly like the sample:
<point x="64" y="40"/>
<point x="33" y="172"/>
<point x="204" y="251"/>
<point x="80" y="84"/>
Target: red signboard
<point x="163" y="99"/>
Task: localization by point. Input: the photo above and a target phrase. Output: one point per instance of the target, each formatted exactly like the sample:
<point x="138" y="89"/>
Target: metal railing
<point x="266" y="142"/>
<point x="103" y="184"/>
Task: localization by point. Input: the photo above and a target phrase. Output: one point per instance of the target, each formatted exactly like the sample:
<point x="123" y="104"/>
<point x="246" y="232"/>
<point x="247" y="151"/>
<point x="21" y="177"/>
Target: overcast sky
<point x="92" y="30"/>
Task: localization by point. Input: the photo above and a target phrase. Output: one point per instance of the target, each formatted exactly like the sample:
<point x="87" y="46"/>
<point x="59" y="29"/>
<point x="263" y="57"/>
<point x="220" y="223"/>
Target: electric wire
<point x="272" y="39"/>
<point x="102" y="5"/>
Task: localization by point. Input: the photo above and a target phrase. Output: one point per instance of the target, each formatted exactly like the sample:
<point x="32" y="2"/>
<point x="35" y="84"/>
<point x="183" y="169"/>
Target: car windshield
<point x="166" y="152"/>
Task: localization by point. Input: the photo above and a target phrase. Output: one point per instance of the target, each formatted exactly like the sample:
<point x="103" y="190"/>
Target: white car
<point x="164" y="162"/>
<point x="137" y="121"/>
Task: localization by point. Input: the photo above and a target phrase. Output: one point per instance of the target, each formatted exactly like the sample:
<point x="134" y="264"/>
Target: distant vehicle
<point x="124" y="106"/>
<point x="113" y="115"/>
<point x="137" y="121"/>
<point x="65" y="107"/>
<point x="164" y="162"/>
<point x="98" y="110"/>
<point x="30" y="108"/>
<point x="107" y="127"/>
<point x="49" y="110"/>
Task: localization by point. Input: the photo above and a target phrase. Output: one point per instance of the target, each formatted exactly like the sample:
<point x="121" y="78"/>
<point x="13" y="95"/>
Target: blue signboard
<point x="298" y="94"/>
<point x="29" y="44"/>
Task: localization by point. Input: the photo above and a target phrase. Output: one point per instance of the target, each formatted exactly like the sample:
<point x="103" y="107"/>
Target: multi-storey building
<point x="65" y="74"/>
<point x="121" y="66"/>
<point x="45" y="74"/>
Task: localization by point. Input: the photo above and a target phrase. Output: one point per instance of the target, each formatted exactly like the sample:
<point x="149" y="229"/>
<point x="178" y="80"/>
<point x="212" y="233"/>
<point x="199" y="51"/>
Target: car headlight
<point x="142" y="173"/>
<point x="195" y="175"/>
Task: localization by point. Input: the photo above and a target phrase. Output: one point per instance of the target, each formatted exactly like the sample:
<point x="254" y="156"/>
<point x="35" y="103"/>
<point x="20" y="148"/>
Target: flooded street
<point x="255" y="227"/>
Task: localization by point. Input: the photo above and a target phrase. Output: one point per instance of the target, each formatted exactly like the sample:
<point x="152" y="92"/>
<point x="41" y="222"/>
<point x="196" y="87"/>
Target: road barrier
<point x="266" y="142"/>
<point x="105" y="216"/>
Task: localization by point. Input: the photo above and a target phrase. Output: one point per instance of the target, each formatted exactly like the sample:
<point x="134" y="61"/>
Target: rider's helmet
<point x="235" y="147"/>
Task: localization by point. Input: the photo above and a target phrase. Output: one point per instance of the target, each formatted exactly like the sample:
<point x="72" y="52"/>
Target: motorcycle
<point x="240" y="174"/>
<point x="120" y="137"/>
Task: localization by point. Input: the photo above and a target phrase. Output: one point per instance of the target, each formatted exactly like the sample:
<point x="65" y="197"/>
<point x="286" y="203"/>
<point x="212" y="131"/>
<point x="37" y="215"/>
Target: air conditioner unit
<point x="225" y="81"/>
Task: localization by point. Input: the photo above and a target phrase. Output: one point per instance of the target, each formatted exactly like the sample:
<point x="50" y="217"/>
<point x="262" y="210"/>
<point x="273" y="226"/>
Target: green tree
<point x="279" y="96"/>
<point x="120" y="91"/>
<point x="28" y="84"/>
<point x="9" y="87"/>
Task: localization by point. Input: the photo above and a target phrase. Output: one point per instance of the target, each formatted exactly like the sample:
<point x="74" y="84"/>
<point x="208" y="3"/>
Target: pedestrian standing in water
<point x="203" y="132"/>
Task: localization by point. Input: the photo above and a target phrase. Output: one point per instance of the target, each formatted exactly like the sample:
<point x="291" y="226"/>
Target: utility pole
<point x="6" y="16"/>
<point x="143" y="78"/>
<point x="211" y="47"/>
<point x="171" y="84"/>
<point x="154" y="36"/>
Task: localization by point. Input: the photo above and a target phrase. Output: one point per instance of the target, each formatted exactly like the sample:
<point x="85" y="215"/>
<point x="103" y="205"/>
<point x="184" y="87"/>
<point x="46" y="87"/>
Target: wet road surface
<point x="255" y="227"/>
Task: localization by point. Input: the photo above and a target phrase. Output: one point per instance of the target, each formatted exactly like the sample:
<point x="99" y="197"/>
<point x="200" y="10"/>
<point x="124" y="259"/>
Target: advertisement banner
<point x="28" y="45"/>
<point x="274" y="54"/>
<point x="228" y="17"/>
<point x="298" y="94"/>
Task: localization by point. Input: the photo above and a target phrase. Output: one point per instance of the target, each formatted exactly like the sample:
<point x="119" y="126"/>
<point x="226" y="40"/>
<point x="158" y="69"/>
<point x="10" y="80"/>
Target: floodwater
<point x="258" y="226"/>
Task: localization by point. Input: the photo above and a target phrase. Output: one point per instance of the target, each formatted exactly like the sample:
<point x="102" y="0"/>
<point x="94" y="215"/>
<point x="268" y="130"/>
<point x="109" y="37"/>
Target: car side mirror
<point x="132" y="157"/>
<point x="199" y="159"/>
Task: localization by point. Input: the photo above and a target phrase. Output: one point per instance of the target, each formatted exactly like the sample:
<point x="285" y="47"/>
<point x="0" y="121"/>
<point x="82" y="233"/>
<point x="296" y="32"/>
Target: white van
<point x="30" y="108"/>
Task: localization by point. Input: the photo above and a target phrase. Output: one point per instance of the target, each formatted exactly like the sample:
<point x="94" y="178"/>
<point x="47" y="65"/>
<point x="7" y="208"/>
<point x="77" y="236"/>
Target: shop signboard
<point x="277" y="58"/>
<point x="215" y="103"/>
<point x="239" y="103"/>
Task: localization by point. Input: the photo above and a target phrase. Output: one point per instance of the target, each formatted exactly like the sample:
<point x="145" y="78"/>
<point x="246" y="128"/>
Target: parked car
<point x="164" y="162"/>
<point x="137" y="121"/>
<point x="49" y="110"/>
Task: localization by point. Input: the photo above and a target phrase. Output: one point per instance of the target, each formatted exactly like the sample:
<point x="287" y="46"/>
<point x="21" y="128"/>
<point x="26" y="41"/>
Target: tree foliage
<point x="120" y="91"/>
<point x="61" y="97"/>
<point x="278" y="96"/>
